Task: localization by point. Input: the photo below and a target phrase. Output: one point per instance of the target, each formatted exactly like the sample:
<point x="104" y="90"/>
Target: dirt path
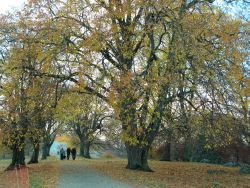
<point x="75" y="175"/>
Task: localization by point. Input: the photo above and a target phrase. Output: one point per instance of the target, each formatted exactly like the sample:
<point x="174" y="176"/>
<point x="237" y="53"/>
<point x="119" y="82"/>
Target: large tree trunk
<point x="138" y="154"/>
<point x="84" y="148"/>
<point x="18" y="158"/>
<point x="35" y="155"/>
<point x="47" y="143"/>
<point x="45" y="151"/>
<point x="137" y="157"/>
<point x="48" y="148"/>
<point x="189" y="148"/>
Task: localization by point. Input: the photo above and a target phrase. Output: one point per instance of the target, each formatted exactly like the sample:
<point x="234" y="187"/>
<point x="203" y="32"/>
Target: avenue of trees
<point x="161" y="69"/>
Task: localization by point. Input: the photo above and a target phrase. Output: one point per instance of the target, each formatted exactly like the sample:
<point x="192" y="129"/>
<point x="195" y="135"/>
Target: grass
<point x="173" y="175"/>
<point x="3" y="165"/>
<point x="41" y="175"/>
<point x="108" y="155"/>
<point x="44" y="174"/>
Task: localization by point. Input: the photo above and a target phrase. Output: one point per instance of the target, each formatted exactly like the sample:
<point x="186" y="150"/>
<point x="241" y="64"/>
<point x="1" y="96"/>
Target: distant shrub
<point x="245" y="169"/>
<point x="108" y="155"/>
<point x="160" y="153"/>
<point x="238" y="152"/>
<point x="232" y="164"/>
<point x="152" y="154"/>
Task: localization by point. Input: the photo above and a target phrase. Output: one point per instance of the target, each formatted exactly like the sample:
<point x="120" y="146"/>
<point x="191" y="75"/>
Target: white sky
<point x="8" y="5"/>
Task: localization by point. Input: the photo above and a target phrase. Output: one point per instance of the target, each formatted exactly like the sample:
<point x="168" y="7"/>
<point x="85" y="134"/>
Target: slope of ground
<point x="44" y="174"/>
<point x="174" y="174"/>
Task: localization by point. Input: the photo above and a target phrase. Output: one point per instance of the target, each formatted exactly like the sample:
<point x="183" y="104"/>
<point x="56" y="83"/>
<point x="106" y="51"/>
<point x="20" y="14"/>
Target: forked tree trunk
<point x="138" y="158"/>
<point x="35" y="155"/>
<point x="138" y="154"/>
<point x="18" y="158"/>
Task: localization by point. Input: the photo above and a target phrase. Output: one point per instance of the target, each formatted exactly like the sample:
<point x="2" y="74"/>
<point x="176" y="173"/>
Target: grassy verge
<point x="44" y="174"/>
<point x="41" y="175"/>
<point x="3" y="176"/>
<point x="173" y="174"/>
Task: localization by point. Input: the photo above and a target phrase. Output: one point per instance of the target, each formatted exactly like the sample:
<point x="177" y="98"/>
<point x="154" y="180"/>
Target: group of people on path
<point x="69" y="151"/>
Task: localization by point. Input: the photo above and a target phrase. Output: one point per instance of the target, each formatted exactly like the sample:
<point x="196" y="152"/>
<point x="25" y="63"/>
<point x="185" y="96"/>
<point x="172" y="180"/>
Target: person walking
<point x="68" y="153"/>
<point x="73" y="152"/>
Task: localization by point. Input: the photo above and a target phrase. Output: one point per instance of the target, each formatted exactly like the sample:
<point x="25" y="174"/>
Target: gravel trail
<point x="75" y="175"/>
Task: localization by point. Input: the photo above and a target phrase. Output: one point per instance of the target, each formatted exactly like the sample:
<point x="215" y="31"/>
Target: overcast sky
<point x="6" y="5"/>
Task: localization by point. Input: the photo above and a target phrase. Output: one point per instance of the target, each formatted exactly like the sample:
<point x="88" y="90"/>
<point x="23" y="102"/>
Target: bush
<point x="108" y="155"/>
<point x="232" y="164"/>
<point x="153" y="154"/>
<point x="245" y="169"/>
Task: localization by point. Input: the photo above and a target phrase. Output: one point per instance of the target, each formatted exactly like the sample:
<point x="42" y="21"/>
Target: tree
<point x="146" y="55"/>
<point x="85" y="114"/>
<point x="136" y="49"/>
<point x="52" y="126"/>
<point x="45" y="102"/>
<point x="26" y="96"/>
<point x="16" y="113"/>
<point x="143" y="58"/>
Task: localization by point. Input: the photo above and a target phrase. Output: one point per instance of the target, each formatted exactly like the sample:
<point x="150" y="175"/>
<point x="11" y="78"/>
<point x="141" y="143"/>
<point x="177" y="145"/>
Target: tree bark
<point x="45" y="151"/>
<point x="84" y="148"/>
<point x="18" y="158"/>
<point x="137" y="158"/>
<point x="35" y="155"/>
<point x="48" y="148"/>
<point x="47" y="143"/>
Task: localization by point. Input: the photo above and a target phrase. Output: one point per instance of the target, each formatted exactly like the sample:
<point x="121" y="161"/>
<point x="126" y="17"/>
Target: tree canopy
<point x="148" y="61"/>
